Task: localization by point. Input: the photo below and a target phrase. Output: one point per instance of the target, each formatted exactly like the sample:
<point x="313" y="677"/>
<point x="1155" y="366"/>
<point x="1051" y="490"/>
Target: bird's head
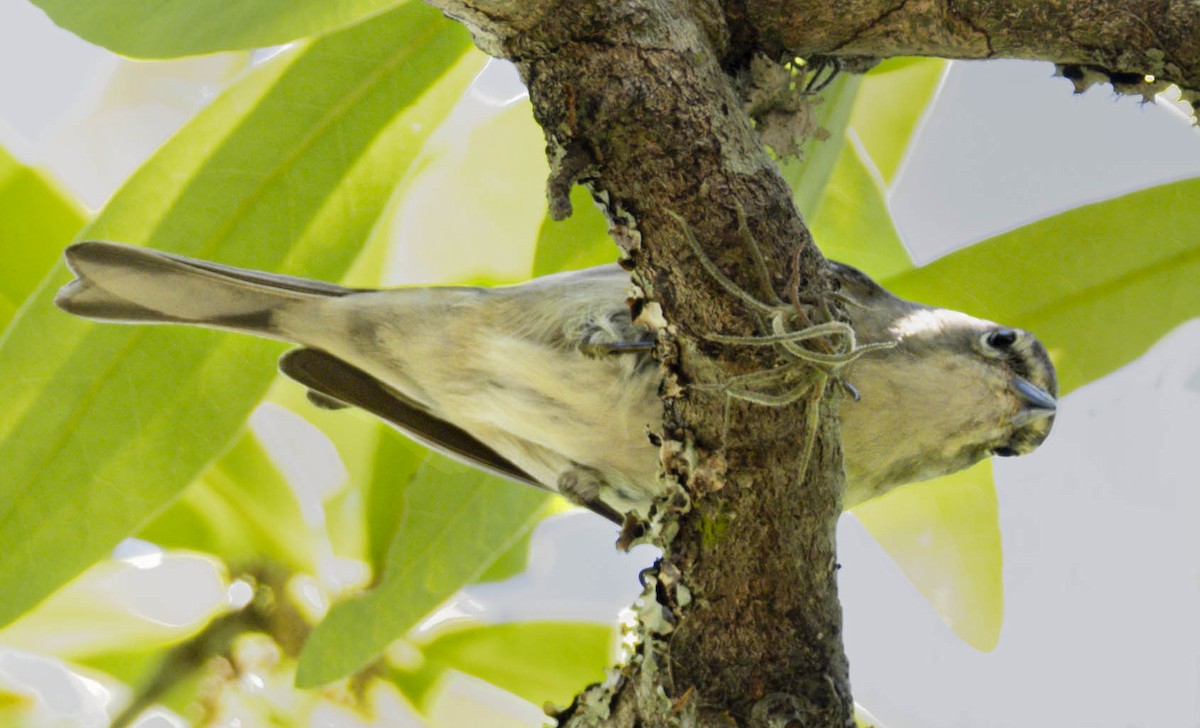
<point x="953" y="390"/>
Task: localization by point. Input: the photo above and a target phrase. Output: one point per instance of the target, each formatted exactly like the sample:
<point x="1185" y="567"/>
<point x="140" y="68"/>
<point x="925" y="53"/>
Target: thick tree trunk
<point x="639" y="101"/>
<point x="635" y="103"/>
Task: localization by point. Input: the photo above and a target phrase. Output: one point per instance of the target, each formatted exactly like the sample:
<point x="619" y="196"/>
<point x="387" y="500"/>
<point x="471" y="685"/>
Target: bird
<point x="553" y="383"/>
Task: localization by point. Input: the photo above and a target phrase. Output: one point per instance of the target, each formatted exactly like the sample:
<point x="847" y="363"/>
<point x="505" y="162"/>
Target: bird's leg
<point x="611" y="333"/>
<point x="585" y="487"/>
<point x="598" y="350"/>
<point x="817" y="83"/>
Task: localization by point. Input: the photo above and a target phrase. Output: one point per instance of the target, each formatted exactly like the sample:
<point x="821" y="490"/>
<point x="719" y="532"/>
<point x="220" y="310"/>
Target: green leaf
<point x="841" y="186"/>
<point x="850" y="219"/>
<point x="809" y="173"/>
<point x="418" y="680"/>
<point x="241" y="509"/>
<point x="137" y="668"/>
<point x="503" y="164"/>
<point x="457" y="521"/>
<point x="109" y="608"/>
<point x="944" y="535"/>
<point x="362" y="517"/>
<point x="103" y="425"/>
<point x="379" y="461"/>
<point x="894" y="97"/>
<point x="853" y="224"/>
<point x="1098" y="284"/>
<point x="538" y="661"/>
<point x="580" y="241"/>
<point x="397" y="461"/>
<point x="516" y="559"/>
<point x="157" y="29"/>
<point x="37" y="220"/>
<point x="126" y="664"/>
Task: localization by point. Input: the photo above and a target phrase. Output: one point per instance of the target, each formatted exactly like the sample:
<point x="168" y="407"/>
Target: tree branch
<point x="634" y="103"/>
<point x="1141" y="37"/>
<point x="1121" y="41"/>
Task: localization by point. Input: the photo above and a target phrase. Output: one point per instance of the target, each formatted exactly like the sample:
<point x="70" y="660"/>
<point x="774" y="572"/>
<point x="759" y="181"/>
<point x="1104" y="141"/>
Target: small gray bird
<point x="550" y="383"/>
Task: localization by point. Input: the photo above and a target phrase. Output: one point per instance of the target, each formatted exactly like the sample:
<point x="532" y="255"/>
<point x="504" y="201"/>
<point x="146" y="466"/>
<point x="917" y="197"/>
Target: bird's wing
<point x="333" y="379"/>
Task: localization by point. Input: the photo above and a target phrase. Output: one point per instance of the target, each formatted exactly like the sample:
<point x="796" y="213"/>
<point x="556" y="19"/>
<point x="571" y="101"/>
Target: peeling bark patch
<point x="1145" y="86"/>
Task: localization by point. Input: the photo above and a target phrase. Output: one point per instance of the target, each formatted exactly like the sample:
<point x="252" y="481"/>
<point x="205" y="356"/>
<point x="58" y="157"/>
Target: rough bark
<point x="634" y="101"/>
<point x="1122" y="40"/>
<point x="1126" y="38"/>
<point x="639" y="101"/>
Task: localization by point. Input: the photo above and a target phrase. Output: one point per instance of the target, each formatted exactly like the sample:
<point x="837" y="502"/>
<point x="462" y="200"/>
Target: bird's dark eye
<point x="1005" y="452"/>
<point x="1001" y="339"/>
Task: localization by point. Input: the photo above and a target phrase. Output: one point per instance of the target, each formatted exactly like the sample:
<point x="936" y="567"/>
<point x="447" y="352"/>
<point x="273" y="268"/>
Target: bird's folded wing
<point x="333" y="381"/>
<point x="332" y="378"/>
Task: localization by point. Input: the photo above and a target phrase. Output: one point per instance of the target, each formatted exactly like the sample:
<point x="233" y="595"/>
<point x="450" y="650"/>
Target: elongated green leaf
<point x="808" y="174"/>
<point x="842" y="185"/>
<point x="965" y="583"/>
<point x="396" y="461"/>
<point x="156" y="29"/>
<point x="516" y="559"/>
<point x="945" y="536"/>
<point x="37" y="220"/>
<point x="502" y="161"/>
<point x="853" y="224"/>
<point x="356" y="516"/>
<point x="103" y="425"/>
<point x="364" y="518"/>
<point x="1098" y="284"/>
<point x="240" y="509"/>
<point x="894" y="97"/>
<point x="108" y="609"/>
<point x="457" y="521"/>
<point x="580" y="241"/>
<point x="379" y="460"/>
<point x="851" y="221"/>
<point x="539" y="661"/>
<point x="1142" y="253"/>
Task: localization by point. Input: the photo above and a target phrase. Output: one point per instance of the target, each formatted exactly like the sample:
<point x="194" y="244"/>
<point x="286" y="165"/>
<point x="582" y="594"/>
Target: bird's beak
<point x="1036" y="402"/>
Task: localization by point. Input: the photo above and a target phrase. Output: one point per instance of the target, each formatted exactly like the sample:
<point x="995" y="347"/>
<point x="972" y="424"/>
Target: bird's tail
<point x="138" y="285"/>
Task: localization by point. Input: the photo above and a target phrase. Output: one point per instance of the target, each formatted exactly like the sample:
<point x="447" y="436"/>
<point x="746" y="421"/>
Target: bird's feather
<point x="141" y="285"/>
<point x="334" y="379"/>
